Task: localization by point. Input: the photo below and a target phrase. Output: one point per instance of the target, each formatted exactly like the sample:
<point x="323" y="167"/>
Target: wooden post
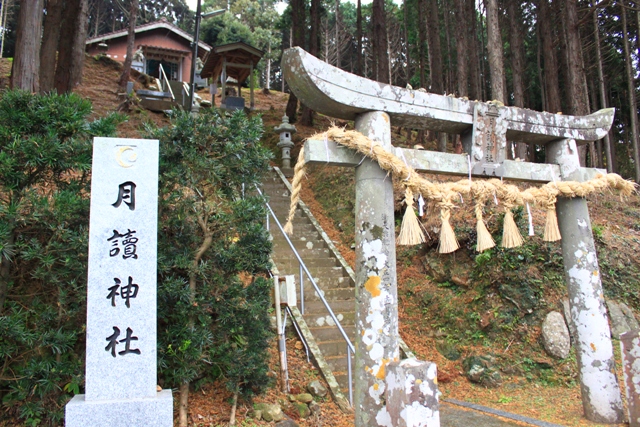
<point x="601" y="398"/>
<point x="252" y="103"/>
<point x="284" y="377"/>
<point x="223" y="82"/>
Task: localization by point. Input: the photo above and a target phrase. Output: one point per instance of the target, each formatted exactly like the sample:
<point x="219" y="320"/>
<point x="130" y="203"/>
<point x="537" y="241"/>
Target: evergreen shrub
<point x="213" y="251"/>
<point x="45" y="157"/>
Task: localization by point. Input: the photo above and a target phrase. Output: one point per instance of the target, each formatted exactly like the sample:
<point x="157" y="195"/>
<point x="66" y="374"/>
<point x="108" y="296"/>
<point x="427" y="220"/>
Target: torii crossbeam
<point x="485" y="129"/>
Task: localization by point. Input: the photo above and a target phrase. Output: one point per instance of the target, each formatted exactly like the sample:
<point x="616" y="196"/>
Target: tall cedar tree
<point x="298" y="23"/>
<point x="49" y="47"/>
<point x="379" y="42"/>
<point x="26" y="63"/>
<point x="516" y="43"/>
<point x="71" y="46"/>
<point x="494" y="48"/>
<point x="131" y="38"/>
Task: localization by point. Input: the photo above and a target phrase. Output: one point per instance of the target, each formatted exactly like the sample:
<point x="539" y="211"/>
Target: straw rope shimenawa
<point x="445" y="194"/>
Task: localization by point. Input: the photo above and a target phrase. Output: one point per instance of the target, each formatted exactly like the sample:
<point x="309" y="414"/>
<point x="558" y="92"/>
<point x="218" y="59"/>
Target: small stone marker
<point x="630" y="349"/>
<point x="121" y="362"/>
<point x="411" y="395"/>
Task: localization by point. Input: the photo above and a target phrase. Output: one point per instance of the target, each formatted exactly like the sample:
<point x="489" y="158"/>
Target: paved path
<point x="457" y="416"/>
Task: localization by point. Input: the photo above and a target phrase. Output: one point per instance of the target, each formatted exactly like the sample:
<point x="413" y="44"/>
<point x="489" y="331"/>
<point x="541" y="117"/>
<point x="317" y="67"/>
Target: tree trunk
<point x="632" y="96"/>
<point x="131" y="39"/>
<point x="462" y="49"/>
<point x="26" y="62"/>
<point x="49" y="47"/>
<point x="552" y="87"/>
<point x="306" y="116"/>
<point x="183" y="409"/>
<point x="494" y="48"/>
<point x="337" y="36"/>
<point x="435" y="49"/>
<point x="516" y="38"/>
<point x="297" y="39"/>
<point x="359" y="69"/>
<point x="474" y="52"/>
<point x="422" y="37"/>
<point x="268" y="70"/>
<point x="71" y="46"/>
<point x="405" y="35"/>
<point x="5" y="269"/>
<point x="234" y="406"/>
<point x="578" y="101"/>
<point x="379" y="41"/>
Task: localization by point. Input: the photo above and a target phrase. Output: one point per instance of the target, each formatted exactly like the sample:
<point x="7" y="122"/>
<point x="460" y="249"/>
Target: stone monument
<point x="121" y="364"/>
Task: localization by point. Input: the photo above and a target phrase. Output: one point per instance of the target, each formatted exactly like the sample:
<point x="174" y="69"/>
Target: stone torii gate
<point x="485" y="129"/>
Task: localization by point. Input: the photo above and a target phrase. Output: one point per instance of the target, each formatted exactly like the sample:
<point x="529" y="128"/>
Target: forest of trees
<point x="569" y="56"/>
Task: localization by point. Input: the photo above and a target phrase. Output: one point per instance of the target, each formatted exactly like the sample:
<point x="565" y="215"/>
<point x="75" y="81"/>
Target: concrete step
<point x="285" y="253"/>
<point x="336" y="294"/>
<point x="346" y="318"/>
<point x="299" y="242"/>
<point x="281" y="247"/>
<point x="304" y="234"/>
<point x="325" y="284"/>
<point x="300" y="223"/>
<point x="338" y="307"/>
<point x="331" y="333"/>
<point x="336" y="347"/>
<point x="292" y="262"/>
<point x="338" y="363"/>
<point x="319" y="273"/>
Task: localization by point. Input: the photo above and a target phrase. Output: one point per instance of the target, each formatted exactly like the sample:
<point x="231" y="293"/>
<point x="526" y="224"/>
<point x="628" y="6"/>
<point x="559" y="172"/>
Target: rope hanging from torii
<point x="445" y="195"/>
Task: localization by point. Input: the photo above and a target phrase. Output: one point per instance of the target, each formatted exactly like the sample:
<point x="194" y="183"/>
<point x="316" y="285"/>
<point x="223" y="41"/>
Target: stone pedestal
<point x="411" y="395"/>
<point x="156" y="411"/>
<point x="630" y="349"/>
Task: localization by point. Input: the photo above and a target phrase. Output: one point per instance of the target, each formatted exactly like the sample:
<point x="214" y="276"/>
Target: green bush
<point x="213" y="252"/>
<point x="45" y="154"/>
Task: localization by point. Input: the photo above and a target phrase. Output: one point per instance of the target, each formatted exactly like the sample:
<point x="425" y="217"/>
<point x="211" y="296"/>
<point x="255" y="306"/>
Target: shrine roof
<point x="239" y="59"/>
<point x="161" y="24"/>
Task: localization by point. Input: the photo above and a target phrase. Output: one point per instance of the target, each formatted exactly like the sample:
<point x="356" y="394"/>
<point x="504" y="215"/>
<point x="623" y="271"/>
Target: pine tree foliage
<point x="213" y="251"/>
<point x="45" y="154"/>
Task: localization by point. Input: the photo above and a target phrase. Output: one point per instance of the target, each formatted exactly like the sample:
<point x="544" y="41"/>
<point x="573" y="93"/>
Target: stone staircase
<point x="332" y="274"/>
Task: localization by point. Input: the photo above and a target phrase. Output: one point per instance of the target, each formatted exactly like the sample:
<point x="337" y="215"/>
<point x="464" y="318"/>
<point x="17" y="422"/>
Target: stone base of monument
<point x="156" y="412"/>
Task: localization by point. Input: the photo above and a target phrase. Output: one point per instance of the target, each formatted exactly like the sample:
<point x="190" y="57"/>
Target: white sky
<point x="280" y="6"/>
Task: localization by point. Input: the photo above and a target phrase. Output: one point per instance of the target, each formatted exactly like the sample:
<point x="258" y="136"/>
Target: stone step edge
<point x="325" y="370"/>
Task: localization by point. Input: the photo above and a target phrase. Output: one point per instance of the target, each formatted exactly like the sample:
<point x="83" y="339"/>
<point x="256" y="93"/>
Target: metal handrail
<point x="303" y="267"/>
<point x="167" y="80"/>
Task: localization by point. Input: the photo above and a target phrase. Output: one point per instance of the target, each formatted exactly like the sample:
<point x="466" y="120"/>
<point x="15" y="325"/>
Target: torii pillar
<point x="485" y="129"/>
<point x="376" y="284"/>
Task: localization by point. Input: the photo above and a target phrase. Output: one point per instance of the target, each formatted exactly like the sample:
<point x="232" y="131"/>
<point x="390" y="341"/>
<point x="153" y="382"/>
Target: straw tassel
<point x="551" y="230"/>
<point x="485" y="240"/>
<point x="511" y="237"/>
<point x="410" y="231"/>
<point x="448" y="241"/>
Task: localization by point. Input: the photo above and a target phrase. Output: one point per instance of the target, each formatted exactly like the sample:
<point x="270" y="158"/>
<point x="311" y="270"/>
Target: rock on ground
<point x="317" y="389"/>
<point x="621" y="318"/>
<point x="555" y="336"/>
<point x="270" y="412"/>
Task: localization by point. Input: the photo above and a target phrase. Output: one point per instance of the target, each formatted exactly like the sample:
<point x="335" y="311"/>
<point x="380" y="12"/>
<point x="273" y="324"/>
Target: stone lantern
<point x="286" y="130"/>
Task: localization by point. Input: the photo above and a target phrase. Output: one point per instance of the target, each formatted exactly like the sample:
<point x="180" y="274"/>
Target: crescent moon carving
<point x="126" y="162"/>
